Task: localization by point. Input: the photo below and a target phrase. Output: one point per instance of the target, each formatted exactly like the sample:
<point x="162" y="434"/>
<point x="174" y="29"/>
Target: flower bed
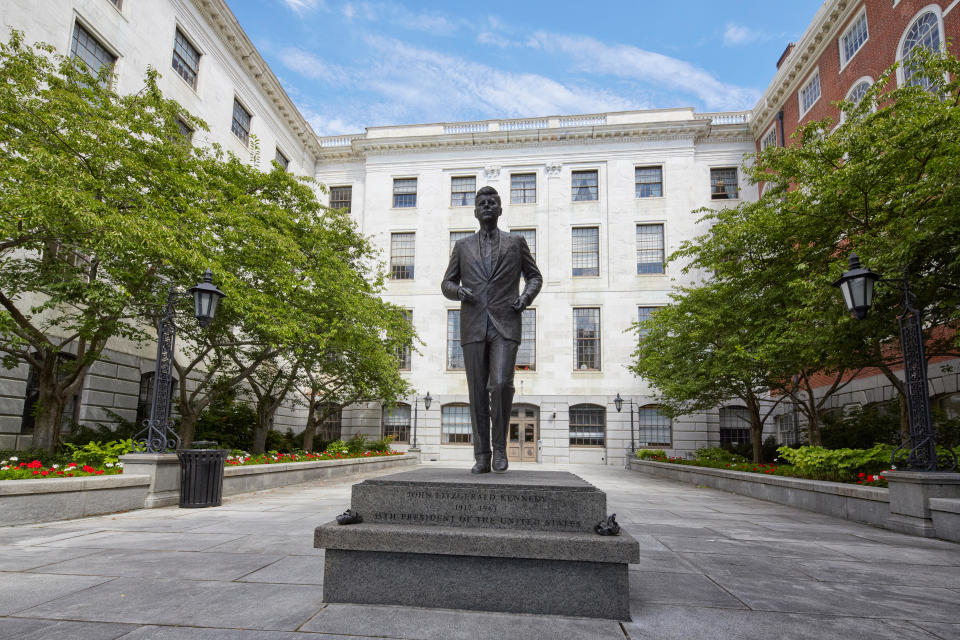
<point x="790" y="471"/>
<point x="13" y="469"/>
<point x="274" y="457"/>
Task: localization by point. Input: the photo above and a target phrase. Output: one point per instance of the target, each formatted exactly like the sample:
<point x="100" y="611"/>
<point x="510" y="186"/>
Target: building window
<point x="404" y="192"/>
<point x="241" y="122"/>
<point x="650" y="251"/>
<point x="117" y="3"/>
<point x="649" y="182"/>
<point x="454" y="348"/>
<point x="734" y="425"/>
<point x="330" y="421"/>
<point x="586" y="339"/>
<point x="455" y="424"/>
<point x="396" y="423"/>
<point x="87" y="48"/>
<point x="145" y="398"/>
<point x="403" y="353"/>
<point x="530" y="235"/>
<point x="853" y="39"/>
<point x="769" y="138"/>
<point x="586" y="251"/>
<point x="456" y="236"/>
<point x="527" y="353"/>
<point x="584" y="185"/>
<point x="523" y="188"/>
<point x="643" y="315"/>
<point x="859" y="91"/>
<point x="31" y="396"/>
<point x="341" y="198"/>
<point x="186" y="59"/>
<point x="723" y="183"/>
<point x="402" y="249"/>
<point x="587" y="425"/>
<point x="787" y="431"/>
<point x="655" y="429"/>
<point x="810" y="93"/>
<point x="924" y="32"/>
<point x="463" y="191"/>
<point x="185" y="130"/>
<point x="281" y="159"/>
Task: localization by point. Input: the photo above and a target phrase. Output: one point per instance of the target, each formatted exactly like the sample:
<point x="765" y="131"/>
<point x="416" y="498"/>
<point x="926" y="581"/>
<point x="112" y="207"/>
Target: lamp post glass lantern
<point x="618" y="403"/>
<point x="157" y="436"/>
<point x="416" y="404"/>
<point x="919" y="453"/>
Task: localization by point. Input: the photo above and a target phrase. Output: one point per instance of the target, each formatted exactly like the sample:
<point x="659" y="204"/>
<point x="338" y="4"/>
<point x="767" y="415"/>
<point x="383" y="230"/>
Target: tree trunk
<point x="311" y="428"/>
<point x="264" y="412"/>
<point x="49" y="406"/>
<point x="814" y="437"/>
<point x="756" y="430"/>
<point x="188" y="426"/>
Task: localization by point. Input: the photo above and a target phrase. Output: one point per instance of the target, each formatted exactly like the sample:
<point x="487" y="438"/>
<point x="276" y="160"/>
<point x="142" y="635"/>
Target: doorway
<point x="522" y="433"/>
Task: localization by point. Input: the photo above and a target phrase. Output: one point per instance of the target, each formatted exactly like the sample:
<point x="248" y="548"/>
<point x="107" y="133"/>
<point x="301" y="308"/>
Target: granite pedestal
<point x="442" y="538"/>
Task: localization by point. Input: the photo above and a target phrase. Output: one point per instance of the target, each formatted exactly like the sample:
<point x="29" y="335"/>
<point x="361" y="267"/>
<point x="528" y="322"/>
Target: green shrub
<point x="862" y="428"/>
<point x="718" y="454"/>
<point x="379" y="446"/>
<point x="643" y="454"/>
<point x="337" y="446"/>
<point x="97" y="454"/>
<point x="840" y="465"/>
<point x="356" y="444"/>
<point x="229" y="423"/>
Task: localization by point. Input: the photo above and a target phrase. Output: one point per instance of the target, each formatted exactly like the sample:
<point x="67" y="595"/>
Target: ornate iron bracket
<point x="608" y="527"/>
<point x="157" y="436"/>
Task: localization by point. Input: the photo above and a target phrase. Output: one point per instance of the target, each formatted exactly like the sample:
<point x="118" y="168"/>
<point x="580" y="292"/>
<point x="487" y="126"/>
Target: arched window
<point x="455" y="423"/>
<point x="587" y="425"/>
<point x="922" y="32"/>
<point x="145" y="399"/>
<point x="858" y="91"/>
<point x="655" y="429"/>
<point x="396" y="423"/>
<point x="329" y="417"/>
<point x="734" y="425"/>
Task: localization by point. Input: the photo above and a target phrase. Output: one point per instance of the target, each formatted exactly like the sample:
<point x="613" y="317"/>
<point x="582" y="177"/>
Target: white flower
<point x="120" y="465"/>
<point x="14" y="458"/>
<point x="54" y="466"/>
<point x="109" y="465"/>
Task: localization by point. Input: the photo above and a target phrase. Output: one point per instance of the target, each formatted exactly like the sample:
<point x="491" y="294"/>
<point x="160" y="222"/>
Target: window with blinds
<point x="523" y="188"/>
<point x="240" y="126"/>
<point x="650" y="252"/>
<point x="87" y="48"/>
<point x="586" y="339"/>
<point x="402" y="254"/>
<point x="586" y="251"/>
<point x="584" y="185"/>
<point x="587" y="425"/>
<point x="455" y="424"/>
<point x="186" y="59"/>
<point x="649" y="182"/>
<point x="463" y="191"/>
<point x="454" y="348"/>
<point x="404" y="192"/>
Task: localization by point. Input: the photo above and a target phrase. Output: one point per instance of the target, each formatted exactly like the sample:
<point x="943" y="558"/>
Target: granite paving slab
<point x="232" y="605"/>
<point x="746" y="565"/>
<point x="663" y="561"/>
<point x="146" y="540"/>
<point x="188" y="565"/>
<point x="152" y="632"/>
<point x="748" y="547"/>
<point x="943" y="630"/>
<point x="891" y="573"/>
<point x="652" y="587"/>
<point x="896" y="553"/>
<point x="27" y="629"/>
<point x="300" y="545"/>
<point x="660" y="622"/>
<point x="37" y="535"/>
<point x="868" y="600"/>
<point x="290" y="570"/>
<point x="19" y="591"/>
<point x="21" y="558"/>
<point x="435" y="624"/>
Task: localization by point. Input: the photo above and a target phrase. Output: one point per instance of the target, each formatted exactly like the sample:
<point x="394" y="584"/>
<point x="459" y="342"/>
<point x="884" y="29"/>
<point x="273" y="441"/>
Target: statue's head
<point x="487" y="205"/>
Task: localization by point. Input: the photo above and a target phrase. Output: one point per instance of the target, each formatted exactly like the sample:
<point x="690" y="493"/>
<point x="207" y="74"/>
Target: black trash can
<point x="201" y="475"/>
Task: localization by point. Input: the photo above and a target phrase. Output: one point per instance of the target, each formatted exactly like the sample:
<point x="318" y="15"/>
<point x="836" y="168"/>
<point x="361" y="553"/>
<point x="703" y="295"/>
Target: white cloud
<point x="494" y="39"/>
<point x="310" y="66"/>
<point x="303" y="6"/>
<point x="735" y="34"/>
<point x="437" y="86"/>
<point x="398" y="14"/>
<point x="349" y="11"/>
<point x="625" y="61"/>
<point x="328" y="126"/>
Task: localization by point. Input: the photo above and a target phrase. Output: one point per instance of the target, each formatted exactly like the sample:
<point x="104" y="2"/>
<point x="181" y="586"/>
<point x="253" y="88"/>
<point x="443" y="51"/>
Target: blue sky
<point x="351" y="64"/>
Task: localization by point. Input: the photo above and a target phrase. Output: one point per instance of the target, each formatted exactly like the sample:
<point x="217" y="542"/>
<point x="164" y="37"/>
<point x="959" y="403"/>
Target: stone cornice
<point x="219" y="16"/>
<point x="697" y="130"/>
<point x="801" y="60"/>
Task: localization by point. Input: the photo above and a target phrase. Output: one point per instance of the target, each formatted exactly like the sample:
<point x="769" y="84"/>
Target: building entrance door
<point x="522" y="433"/>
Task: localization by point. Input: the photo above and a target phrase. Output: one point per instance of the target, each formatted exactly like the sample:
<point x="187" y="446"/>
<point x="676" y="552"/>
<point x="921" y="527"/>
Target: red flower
<point x="35" y="472"/>
<point x="861" y="474"/>
<point x="36" y="464"/>
<point x="859" y="481"/>
<point x="87" y="468"/>
<point x="72" y="465"/>
<point x="43" y="473"/>
<point x="99" y="472"/>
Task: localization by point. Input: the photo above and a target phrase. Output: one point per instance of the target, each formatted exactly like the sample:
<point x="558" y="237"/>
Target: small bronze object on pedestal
<point x="349" y="517"/>
<point x="608" y="528"/>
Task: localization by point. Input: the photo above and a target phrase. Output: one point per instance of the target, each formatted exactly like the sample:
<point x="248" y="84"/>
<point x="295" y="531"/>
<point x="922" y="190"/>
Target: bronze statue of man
<point x="484" y="274"/>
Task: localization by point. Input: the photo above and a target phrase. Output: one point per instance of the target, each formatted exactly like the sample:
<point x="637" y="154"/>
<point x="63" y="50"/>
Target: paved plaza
<point x="712" y="565"/>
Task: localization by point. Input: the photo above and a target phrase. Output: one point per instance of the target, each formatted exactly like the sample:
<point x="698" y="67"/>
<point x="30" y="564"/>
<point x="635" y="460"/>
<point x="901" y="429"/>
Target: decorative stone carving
<point x="491" y="171"/>
<point x="553" y="168"/>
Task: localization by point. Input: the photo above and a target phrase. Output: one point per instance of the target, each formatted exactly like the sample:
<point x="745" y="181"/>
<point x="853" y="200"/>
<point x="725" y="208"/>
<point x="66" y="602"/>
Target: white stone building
<point x="601" y="198"/>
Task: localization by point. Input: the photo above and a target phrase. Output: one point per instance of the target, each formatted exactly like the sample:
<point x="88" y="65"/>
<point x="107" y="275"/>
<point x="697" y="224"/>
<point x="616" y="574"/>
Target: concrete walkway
<point x="713" y="565"/>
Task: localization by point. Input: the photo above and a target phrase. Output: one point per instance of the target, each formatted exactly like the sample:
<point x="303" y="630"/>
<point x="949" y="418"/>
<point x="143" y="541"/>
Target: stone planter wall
<point x="849" y="501"/>
<point x="33" y="501"/>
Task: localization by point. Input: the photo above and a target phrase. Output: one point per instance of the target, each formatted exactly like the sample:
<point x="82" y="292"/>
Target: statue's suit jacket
<point x="496" y="291"/>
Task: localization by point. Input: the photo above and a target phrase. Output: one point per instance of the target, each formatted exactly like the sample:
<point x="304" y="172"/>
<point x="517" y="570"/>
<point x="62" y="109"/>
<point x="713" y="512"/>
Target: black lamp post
<point x="426" y="407"/>
<point x="919" y="453"/>
<point x="157" y="436"/>
<point x="618" y="403"/>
